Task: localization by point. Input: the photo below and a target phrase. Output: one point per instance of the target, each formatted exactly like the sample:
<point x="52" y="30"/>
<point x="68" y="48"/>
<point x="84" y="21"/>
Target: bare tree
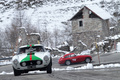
<point x="56" y="35"/>
<point x="11" y="36"/>
<point x="67" y="32"/>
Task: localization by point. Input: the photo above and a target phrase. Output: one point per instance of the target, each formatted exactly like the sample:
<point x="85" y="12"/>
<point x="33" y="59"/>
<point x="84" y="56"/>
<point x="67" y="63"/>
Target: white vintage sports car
<point x="31" y="57"/>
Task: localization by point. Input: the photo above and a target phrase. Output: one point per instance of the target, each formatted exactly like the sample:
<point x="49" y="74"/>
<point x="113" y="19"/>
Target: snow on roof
<point x="35" y="34"/>
<point x="99" y="11"/>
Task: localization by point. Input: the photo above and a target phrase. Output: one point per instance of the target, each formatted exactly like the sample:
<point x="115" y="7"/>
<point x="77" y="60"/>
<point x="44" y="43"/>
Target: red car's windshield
<point x="69" y="55"/>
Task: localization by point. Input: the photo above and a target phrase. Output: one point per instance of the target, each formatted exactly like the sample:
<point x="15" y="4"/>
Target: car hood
<point x="30" y="56"/>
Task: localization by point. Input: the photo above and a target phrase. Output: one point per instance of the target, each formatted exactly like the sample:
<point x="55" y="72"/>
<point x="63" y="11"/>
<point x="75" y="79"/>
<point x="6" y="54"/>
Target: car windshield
<point x="31" y="49"/>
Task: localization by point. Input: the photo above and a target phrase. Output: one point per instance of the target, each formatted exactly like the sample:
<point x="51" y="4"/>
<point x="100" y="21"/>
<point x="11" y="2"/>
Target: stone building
<point x="27" y="39"/>
<point x="89" y="24"/>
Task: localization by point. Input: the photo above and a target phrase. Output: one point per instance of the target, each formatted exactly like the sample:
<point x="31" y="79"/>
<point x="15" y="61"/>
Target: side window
<point x="73" y="55"/>
<point x="67" y="56"/>
<point x="22" y="50"/>
<point x="40" y="49"/>
<point x="80" y="23"/>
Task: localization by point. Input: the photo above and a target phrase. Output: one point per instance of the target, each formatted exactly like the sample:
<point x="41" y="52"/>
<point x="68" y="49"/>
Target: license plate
<point x="31" y="67"/>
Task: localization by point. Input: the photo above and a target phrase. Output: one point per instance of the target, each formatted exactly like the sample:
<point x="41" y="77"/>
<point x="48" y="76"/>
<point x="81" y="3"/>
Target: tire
<point x="68" y="62"/>
<point x="25" y="71"/>
<point x="49" y="68"/>
<point x="16" y="72"/>
<point x="88" y="60"/>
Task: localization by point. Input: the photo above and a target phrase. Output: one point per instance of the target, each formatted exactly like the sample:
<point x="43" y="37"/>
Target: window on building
<point x="80" y="23"/>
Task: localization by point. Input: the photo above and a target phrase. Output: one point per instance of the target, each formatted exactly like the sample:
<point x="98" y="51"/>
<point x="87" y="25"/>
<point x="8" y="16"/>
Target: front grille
<point x="28" y="63"/>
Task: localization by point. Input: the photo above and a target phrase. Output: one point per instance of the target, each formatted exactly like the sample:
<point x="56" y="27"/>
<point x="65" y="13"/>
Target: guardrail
<point x="6" y="58"/>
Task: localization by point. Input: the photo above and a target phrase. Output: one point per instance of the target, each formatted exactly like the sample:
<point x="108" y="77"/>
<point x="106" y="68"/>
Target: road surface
<point x="92" y="74"/>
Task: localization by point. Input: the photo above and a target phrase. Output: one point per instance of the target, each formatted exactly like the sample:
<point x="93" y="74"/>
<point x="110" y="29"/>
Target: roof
<point x="101" y="13"/>
<point x="30" y="45"/>
<point x="69" y="54"/>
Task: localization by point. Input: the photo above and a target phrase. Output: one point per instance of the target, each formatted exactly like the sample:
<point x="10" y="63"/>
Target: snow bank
<point x="87" y="66"/>
<point x="31" y="72"/>
<point x="5" y="62"/>
<point x="7" y="73"/>
<point x="108" y="66"/>
<point x="118" y="47"/>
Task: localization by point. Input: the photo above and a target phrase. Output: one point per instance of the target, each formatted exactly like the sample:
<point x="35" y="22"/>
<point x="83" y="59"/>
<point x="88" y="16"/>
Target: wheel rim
<point x="87" y="60"/>
<point x="67" y="62"/>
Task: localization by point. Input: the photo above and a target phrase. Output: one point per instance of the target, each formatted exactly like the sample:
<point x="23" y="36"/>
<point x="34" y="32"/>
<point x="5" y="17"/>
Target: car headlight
<point x="23" y="64"/>
<point x="46" y="58"/>
<point x="15" y="61"/>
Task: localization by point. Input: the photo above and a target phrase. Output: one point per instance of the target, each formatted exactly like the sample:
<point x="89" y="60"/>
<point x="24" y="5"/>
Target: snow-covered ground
<point x="4" y="62"/>
<point x="88" y="66"/>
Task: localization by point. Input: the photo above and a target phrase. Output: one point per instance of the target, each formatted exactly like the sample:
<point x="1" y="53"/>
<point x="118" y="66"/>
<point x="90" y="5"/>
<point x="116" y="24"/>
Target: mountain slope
<point x="50" y="15"/>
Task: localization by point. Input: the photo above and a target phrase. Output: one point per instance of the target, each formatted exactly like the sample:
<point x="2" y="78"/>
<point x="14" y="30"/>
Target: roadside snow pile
<point x="31" y="72"/>
<point x="7" y="73"/>
<point x="69" y="68"/>
<point x="88" y="66"/>
<point x="118" y="47"/>
<point x="108" y="66"/>
<point x="4" y="62"/>
<point x="11" y="73"/>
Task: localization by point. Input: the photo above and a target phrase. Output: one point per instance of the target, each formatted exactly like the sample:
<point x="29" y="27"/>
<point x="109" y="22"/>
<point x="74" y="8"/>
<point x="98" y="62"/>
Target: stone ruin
<point x="27" y="39"/>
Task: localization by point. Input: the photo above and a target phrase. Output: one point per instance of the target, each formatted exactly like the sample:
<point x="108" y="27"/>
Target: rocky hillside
<point x="48" y="13"/>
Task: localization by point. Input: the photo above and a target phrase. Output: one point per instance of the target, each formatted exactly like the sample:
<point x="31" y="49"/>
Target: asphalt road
<point x="106" y="58"/>
<point x="92" y="74"/>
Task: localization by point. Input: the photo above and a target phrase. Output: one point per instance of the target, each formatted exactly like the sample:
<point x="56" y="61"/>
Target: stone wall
<point x="105" y="28"/>
<point x="27" y="39"/>
<point x="86" y="37"/>
<point x="88" y="25"/>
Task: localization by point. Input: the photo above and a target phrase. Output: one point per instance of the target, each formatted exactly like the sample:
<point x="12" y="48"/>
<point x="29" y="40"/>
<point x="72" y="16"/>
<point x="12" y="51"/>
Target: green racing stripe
<point x="30" y="57"/>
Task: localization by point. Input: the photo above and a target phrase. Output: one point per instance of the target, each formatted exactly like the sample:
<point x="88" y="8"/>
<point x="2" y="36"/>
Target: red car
<point x="72" y="58"/>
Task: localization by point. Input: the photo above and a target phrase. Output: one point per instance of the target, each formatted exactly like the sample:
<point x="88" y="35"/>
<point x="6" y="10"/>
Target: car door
<point x="73" y="58"/>
<point x="80" y="58"/>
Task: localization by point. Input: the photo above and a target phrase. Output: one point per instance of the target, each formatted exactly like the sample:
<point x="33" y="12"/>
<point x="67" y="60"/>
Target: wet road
<point x="92" y="74"/>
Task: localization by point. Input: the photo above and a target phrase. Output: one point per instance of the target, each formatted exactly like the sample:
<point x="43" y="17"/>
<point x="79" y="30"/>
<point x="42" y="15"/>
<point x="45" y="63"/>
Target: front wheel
<point x="68" y="62"/>
<point x="16" y="72"/>
<point x="49" y="68"/>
